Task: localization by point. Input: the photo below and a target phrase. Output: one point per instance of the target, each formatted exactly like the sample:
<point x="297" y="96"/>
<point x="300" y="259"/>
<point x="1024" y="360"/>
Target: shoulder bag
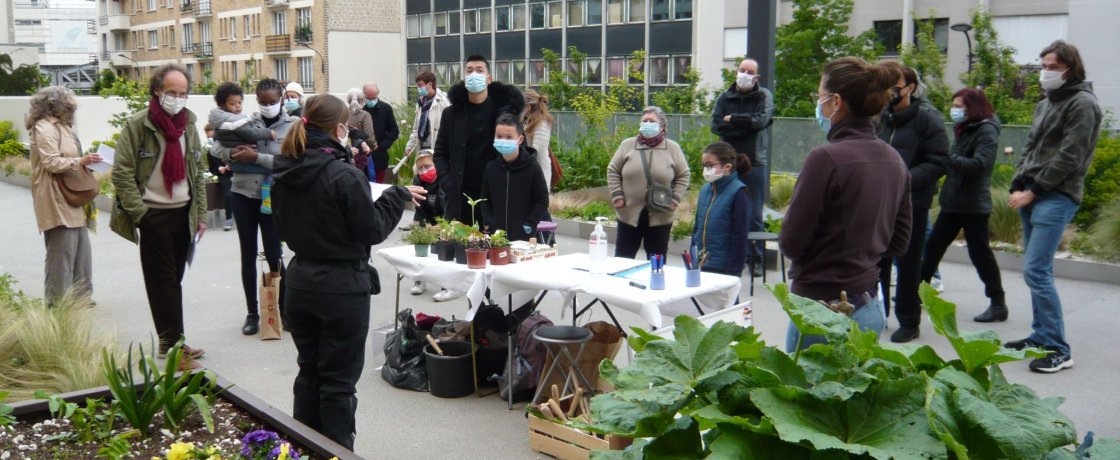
<point x="659" y="197"/>
<point x="78" y="185"/>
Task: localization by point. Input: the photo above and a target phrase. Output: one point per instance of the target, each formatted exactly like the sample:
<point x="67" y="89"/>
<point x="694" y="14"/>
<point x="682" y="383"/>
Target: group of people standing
<point x="860" y="200"/>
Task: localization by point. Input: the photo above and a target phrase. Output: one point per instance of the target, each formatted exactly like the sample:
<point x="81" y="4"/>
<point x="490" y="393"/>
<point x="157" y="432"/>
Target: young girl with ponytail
<point x="723" y="211"/>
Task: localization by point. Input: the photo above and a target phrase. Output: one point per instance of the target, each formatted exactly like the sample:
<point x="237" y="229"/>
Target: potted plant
<point x="499" y="248"/>
<point x="478" y="247"/>
<point x="420" y="236"/>
<point x="460" y="236"/>
<point x="443" y="246"/>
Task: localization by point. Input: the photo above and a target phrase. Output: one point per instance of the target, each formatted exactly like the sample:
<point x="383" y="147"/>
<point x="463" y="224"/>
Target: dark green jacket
<point x="1061" y="142"/>
<point x="137" y="150"/>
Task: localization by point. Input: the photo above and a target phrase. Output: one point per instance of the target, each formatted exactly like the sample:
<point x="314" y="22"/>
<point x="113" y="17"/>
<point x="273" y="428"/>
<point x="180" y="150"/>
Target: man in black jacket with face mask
<point x="742" y="117"/>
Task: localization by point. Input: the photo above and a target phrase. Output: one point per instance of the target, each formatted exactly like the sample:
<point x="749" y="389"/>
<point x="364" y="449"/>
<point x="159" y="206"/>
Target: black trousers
<point x="975" y="227"/>
<point x="164" y="242"/>
<point x="654" y="239"/>
<point x="247" y="214"/>
<point x="908" y="307"/>
<point x="329" y="331"/>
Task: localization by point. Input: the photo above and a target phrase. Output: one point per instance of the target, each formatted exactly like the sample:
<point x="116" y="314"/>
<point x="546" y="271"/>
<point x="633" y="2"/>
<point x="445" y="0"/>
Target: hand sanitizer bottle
<point x="597" y="247"/>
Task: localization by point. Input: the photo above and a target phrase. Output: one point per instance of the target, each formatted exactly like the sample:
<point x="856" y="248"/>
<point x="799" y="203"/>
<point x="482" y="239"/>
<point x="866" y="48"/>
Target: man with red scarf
<point x="161" y="198"/>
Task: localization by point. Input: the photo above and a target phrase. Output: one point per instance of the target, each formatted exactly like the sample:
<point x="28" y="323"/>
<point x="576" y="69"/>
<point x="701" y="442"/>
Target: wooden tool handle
<point x="435" y="345"/>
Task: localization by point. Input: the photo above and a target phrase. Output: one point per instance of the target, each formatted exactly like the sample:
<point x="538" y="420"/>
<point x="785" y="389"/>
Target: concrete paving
<point x="394" y="424"/>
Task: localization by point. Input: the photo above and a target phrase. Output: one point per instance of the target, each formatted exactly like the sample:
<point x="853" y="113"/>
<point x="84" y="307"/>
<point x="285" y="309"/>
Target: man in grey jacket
<point x="1047" y="189"/>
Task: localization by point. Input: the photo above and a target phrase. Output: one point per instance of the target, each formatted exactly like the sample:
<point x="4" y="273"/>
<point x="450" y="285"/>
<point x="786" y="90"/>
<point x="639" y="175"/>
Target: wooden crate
<point x="567" y="443"/>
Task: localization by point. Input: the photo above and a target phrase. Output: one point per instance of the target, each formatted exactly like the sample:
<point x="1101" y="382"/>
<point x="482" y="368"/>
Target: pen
<point x="637" y="285"/>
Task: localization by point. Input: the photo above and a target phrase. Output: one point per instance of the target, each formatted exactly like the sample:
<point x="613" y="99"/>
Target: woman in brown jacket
<point x="639" y="225"/>
<point x="54" y="151"/>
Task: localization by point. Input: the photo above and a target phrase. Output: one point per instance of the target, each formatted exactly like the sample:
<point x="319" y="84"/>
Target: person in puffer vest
<point x="723" y="210"/>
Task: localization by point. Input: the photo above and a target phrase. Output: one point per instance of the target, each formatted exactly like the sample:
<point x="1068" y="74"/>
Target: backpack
<point x="528" y="360"/>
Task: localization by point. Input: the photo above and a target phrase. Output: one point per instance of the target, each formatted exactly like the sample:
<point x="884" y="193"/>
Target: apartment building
<point x="246" y="40"/>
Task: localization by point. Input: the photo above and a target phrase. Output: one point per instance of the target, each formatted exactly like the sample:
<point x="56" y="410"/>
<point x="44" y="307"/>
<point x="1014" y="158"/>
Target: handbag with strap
<point x="78" y="185"/>
<point x="557" y="170"/>
<point x="659" y="197"/>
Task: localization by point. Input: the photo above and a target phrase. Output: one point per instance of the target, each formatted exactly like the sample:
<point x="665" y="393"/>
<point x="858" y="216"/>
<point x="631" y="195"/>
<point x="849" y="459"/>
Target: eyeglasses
<point x="711" y="165"/>
<point x="817" y="96"/>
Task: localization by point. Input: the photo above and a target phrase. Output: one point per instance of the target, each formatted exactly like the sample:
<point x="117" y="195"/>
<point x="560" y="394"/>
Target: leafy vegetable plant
<point x="723" y="393"/>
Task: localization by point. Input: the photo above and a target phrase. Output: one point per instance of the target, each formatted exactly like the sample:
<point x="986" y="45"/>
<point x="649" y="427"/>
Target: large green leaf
<point x="976" y="349"/>
<point x="628" y="418"/>
<point x="886" y="421"/>
<point x="1089" y="448"/>
<point x="632" y="452"/>
<point x="810" y="317"/>
<point x="755" y="423"/>
<point x="734" y="443"/>
<point x="1021" y="424"/>
<point x="681" y="441"/>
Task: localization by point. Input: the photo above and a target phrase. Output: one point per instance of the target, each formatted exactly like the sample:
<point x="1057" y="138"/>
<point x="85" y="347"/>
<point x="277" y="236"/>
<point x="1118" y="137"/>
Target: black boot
<point x="905" y="334"/>
<point x="993" y="314"/>
<point x="252" y="325"/>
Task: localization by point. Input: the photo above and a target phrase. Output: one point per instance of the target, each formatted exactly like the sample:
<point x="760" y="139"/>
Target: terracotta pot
<point x="460" y="254"/>
<point x="444" y="251"/>
<point x="499" y="256"/>
<point x="421" y="250"/>
<point x="476" y="258"/>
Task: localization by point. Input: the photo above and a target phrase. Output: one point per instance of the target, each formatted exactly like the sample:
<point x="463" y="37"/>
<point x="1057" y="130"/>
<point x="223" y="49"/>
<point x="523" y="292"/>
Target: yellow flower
<point x="215" y="457"/>
<point x="180" y="451"/>
<point x="284" y="452"/>
<point x="212" y="450"/>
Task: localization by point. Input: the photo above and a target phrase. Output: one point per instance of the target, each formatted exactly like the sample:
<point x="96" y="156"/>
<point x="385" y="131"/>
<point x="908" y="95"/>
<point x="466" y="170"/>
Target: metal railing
<point x="201" y="7"/>
<point x="277" y="43"/>
<point x="203" y="49"/>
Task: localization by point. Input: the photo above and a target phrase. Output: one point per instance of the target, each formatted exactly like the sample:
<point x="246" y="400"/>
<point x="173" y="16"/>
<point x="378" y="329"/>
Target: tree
<point x="135" y="97"/>
<point x="926" y="58"/>
<point x="18" y="81"/>
<point x="817" y="34"/>
<point x="994" y="71"/>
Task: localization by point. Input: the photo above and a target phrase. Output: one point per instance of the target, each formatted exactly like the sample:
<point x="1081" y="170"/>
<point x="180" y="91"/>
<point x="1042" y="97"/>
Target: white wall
<point x="1092" y="29"/>
<point x="707" y="41"/>
<point x="357" y="58"/>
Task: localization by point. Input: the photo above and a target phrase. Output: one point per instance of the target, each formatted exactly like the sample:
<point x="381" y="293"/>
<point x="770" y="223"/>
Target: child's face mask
<point x="428" y="174"/>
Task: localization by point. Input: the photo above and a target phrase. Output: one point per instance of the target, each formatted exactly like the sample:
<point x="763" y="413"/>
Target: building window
<point x="659" y="70"/>
<point x="616" y="68"/>
<point x="659" y="10"/>
<point x="637" y="10"/>
<point x="575" y="71"/>
<point x="207" y="72"/>
<point x="233" y="70"/>
<point x="594" y="71"/>
<point x="536" y="15"/>
<point x="248" y="27"/>
<point x="171" y="35"/>
<point x="485" y="21"/>
<point x="204" y="32"/>
<point x="471" y="18"/>
<point x="890" y="36"/>
<point x="537" y="72"/>
<point x="279" y="22"/>
<point x="556" y="15"/>
<point x="454" y="25"/>
<point x="681" y="64"/>
<point x="636" y="68"/>
<point x="152" y="5"/>
<point x="682" y="9"/>
<point x="306" y="74"/>
<point x="232" y="24"/>
<point x="190" y="72"/>
<point x="303" y="25"/>
<point x="412" y="25"/>
<point x="615" y="13"/>
<point x="425" y="25"/>
<point x="502" y="71"/>
<point x="501" y="19"/>
<point x="575" y="12"/>
<point x="280" y="69"/>
<point x="454" y="72"/>
<point x="594" y="12"/>
<point x="940" y="32"/>
<point x="153" y="39"/>
<point x="188" y="34"/>
<point x="518" y="72"/>
<point x="441" y="23"/>
<point x="412" y="72"/>
<point x="517" y="17"/>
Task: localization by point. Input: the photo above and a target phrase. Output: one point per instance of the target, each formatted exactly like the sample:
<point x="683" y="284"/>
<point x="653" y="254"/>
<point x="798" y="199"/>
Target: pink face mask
<point x="428" y="176"/>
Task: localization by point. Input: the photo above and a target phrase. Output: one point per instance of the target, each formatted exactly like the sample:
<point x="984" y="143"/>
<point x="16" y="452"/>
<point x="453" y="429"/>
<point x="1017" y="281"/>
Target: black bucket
<point x="450" y="374"/>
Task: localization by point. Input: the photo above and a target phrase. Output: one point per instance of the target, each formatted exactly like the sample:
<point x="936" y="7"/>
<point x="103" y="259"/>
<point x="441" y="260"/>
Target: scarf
<point x="652" y="142"/>
<point x="425" y="106"/>
<point x="174" y="167"/>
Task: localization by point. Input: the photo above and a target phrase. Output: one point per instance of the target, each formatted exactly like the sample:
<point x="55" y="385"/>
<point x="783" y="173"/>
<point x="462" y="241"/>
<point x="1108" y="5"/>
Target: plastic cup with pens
<point x="657" y="272"/>
<point x="693" y="262"/>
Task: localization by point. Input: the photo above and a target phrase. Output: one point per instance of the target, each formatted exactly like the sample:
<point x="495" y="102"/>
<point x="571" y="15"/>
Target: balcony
<point x="186" y="7"/>
<point x="303" y="34"/>
<point x="278" y="44"/>
<point x="276" y="4"/>
<point x="105" y="56"/>
<point x="121" y="59"/>
<point x="204" y="50"/>
<point x="91" y="26"/>
<point x="201" y="8"/>
<point x="103" y="20"/>
<point x="118" y="22"/>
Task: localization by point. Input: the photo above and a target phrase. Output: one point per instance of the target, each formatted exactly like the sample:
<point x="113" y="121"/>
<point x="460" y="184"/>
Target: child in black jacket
<point x="424" y="175"/>
<point x="513" y="186"/>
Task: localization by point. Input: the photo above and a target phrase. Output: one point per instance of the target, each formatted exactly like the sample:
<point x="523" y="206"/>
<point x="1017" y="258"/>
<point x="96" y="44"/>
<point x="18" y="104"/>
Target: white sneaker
<point x="419" y="287"/>
<point x="444" y="295"/>
<point x="894" y="276"/>
<point x="936" y="283"/>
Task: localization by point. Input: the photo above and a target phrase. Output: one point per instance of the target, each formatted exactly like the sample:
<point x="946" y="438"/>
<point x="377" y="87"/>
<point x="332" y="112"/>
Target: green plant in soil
<point x="499" y="239"/>
<point x="774" y="225"/>
<point x="721" y="392"/>
<point x="682" y="228"/>
<point x="473" y="203"/>
<point x="781" y="190"/>
<point x="1004" y="223"/>
<point x="596" y="209"/>
<point x="6" y="417"/>
<point x="421" y="235"/>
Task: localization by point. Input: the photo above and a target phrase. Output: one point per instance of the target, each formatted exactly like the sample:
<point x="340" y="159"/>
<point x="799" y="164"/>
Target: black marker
<point x="637" y="285"/>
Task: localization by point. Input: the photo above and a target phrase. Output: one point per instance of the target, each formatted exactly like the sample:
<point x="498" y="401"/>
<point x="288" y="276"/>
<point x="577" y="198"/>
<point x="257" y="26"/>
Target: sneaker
<point x="936" y="284"/>
<point x="1022" y="344"/>
<point x="905" y="334"/>
<point x="1052" y="363"/>
<point x="756" y="272"/>
<point x="418" y="288"/>
<point x="228" y="225"/>
<point x="444" y="295"/>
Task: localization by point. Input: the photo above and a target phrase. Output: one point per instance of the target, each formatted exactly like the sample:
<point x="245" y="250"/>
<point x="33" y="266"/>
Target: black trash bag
<point x="404" y="355"/>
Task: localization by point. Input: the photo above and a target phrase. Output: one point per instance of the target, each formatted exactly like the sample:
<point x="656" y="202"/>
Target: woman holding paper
<point x="55" y="152"/>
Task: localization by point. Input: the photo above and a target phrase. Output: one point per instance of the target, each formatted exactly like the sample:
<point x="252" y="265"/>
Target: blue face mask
<point x="371" y="103"/>
<point x="422" y="91"/>
<point x="957" y="114"/>
<point x="506" y="147"/>
<point x="824" y="123"/>
<point x="476" y="82"/>
<point x="649" y="128"/>
<point x="291" y="104"/>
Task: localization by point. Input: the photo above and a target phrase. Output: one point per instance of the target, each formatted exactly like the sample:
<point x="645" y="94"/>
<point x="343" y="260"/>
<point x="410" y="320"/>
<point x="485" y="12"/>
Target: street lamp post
<point x="964" y="28"/>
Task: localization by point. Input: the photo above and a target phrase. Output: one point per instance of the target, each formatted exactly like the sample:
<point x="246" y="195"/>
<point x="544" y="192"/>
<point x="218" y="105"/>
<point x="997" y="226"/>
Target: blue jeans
<point x="1044" y="220"/>
<point x="869" y="317"/>
<point x="758" y="187"/>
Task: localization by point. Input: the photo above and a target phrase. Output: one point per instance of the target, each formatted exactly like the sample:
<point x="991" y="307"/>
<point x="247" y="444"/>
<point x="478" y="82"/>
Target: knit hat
<point x="294" y="86"/>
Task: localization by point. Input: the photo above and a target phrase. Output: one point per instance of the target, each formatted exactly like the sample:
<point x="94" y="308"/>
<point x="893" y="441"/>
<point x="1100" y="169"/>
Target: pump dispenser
<point x="597" y="247"/>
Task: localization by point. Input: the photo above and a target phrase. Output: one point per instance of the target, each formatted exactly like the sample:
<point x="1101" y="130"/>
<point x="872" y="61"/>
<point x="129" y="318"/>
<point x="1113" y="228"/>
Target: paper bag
<point x="605" y="343"/>
<point x="271" y="326"/>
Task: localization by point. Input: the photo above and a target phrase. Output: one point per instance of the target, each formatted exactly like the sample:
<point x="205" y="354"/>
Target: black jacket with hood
<point x="325" y="212"/>
<point x="967" y="187"/>
<point x="751" y="114"/>
<point x="449" y="150"/>
<point x="918" y="134"/>
<point x="516" y="194"/>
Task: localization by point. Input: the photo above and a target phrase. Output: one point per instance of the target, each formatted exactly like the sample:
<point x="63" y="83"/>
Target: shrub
<point x="1104" y="235"/>
<point x="1002" y="174"/>
<point x="596" y="209"/>
<point x="10" y="145"/>
<point x="781" y="190"/>
<point x="1102" y="183"/>
<point x="1004" y="224"/>
<point x="682" y="228"/>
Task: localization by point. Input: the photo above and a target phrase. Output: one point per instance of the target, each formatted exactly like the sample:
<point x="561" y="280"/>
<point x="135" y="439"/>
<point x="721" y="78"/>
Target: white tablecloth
<point x="559" y="274"/>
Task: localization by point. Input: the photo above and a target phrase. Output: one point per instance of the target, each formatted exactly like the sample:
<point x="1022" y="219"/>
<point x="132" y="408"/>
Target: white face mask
<point x="712" y="173"/>
<point x="1051" y="79"/>
<point x="344" y="138"/>
<point x="744" y="80"/>
<point x="270" y="111"/>
<point x="172" y="105"/>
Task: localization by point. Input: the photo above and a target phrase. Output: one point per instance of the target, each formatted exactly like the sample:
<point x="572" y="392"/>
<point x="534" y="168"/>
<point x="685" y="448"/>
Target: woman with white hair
<point x="55" y="152"/>
<point x="362" y="138"/>
<point x="647" y="163"/>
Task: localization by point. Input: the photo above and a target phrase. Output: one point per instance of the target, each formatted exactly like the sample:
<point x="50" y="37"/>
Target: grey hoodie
<point x="1061" y="142"/>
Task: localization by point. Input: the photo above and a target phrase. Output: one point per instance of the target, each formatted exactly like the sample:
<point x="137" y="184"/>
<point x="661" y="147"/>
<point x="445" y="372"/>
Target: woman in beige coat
<point x="626" y="179"/>
<point x="54" y="150"/>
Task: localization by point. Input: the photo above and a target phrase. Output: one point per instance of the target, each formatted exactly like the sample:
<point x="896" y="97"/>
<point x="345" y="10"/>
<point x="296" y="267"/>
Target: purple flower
<point x="256" y="439"/>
